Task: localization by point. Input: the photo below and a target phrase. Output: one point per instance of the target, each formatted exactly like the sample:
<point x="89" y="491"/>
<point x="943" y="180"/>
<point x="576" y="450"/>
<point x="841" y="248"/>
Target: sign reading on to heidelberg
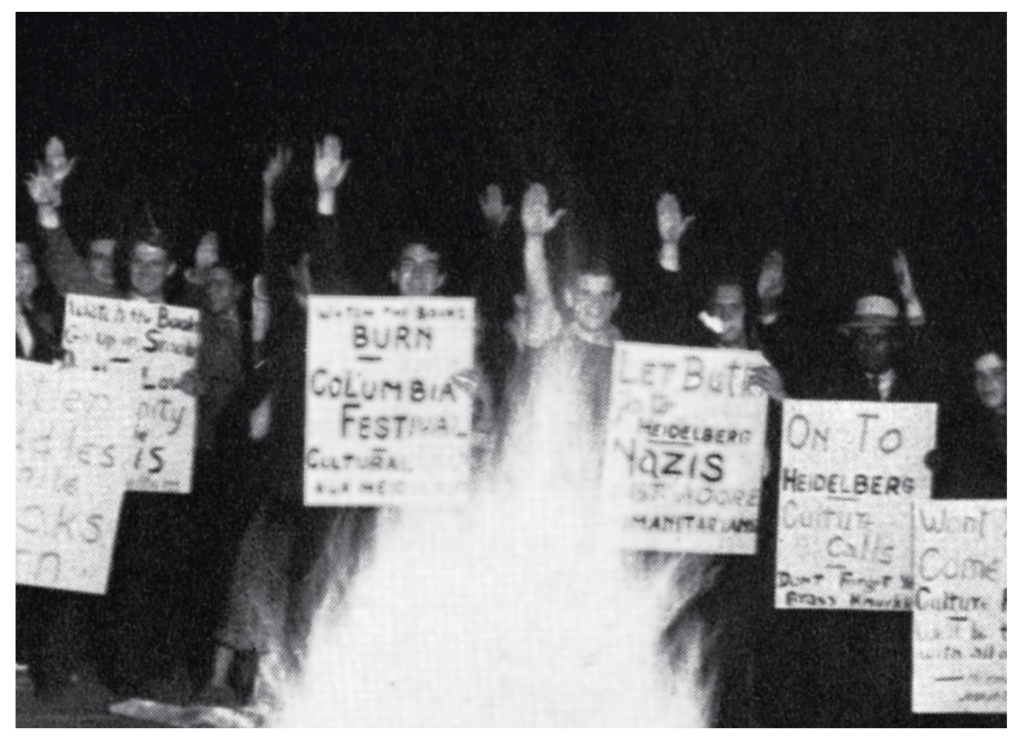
<point x="850" y="473"/>
<point x="685" y="448"/>
<point x="385" y="422"/>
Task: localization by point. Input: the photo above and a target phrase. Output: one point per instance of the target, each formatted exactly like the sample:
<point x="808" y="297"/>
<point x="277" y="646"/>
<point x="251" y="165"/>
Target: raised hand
<point x="772" y="281"/>
<point x="904" y="279"/>
<point x="58" y="167"/>
<point x="492" y="205"/>
<point x="42" y="189"/>
<point x="672" y="224"/>
<point x="328" y="167"/>
<point x="768" y="379"/>
<point x="538" y="220"/>
<point x="276" y="166"/>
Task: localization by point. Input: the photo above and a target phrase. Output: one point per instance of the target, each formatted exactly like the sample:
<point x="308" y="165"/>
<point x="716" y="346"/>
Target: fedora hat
<point x="873" y="311"/>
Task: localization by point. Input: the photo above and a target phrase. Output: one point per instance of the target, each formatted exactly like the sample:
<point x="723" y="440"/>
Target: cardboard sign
<point x="685" y="448"/>
<point x="386" y="423"/>
<point x="960" y="606"/>
<point x="72" y="447"/>
<point x="144" y="349"/>
<point x="850" y="473"/>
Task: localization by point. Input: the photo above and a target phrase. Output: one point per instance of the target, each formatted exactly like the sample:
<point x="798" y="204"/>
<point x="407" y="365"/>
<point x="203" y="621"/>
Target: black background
<point x="835" y="138"/>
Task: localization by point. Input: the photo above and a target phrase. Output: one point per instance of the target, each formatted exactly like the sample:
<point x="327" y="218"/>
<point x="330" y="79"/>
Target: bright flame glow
<point x="515" y="611"/>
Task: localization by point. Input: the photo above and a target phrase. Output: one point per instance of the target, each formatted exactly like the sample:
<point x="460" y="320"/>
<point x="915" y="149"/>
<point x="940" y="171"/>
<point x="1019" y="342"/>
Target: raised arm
<point x="276" y="166"/>
<point x="68" y="271"/>
<point x="328" y="268"/>
<point x="912" y="304"/>
<point x="543" y="321"/>
<point x="672" y="225"/>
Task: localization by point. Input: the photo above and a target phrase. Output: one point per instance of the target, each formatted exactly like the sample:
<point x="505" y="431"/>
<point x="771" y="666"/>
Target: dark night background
<point x="835" y="138"/>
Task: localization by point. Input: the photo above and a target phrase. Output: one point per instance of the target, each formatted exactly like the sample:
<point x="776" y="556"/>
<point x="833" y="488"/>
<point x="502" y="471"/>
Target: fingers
<point x="557" y="216"/>
<point x="668" y="203"/>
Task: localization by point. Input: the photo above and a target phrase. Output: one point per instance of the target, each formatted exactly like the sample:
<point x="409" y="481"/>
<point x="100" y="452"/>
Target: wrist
<point x="325" y="202"/>
<point x="668" y="256"/>
<point x="48" y="217"/>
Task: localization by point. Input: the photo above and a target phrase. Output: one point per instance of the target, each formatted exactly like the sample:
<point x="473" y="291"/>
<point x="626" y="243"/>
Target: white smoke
<point x="517" y="610"/>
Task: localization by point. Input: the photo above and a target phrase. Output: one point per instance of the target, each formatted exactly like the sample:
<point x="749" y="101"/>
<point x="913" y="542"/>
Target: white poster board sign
<point x="850" y="473"/>
<point x="386" y="424"/>
<point x="685" y="448"/>
<point x="71" y="448"/>
<point x="960" y="606"/>
<point x="144" y="349"/>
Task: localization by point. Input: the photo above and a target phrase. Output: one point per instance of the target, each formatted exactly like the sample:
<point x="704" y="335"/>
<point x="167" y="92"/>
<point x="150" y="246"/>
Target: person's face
<point x="990" y="381"/>
<point x="207" y="251"/>
<point x="874" y="346"/>
<point x="418" y="271"/>
<point x="26" y="276"/>
<point x="728" y="305"/>
<point x="593" y="301"/>
<point x="101" y="260"/>
<point x="150" y="269"/>
<point x="222" y="292"/>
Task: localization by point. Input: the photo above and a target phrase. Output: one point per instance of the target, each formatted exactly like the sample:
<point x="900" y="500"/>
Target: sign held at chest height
<point x="684" y="451"/>
<point x="72" y="449"/>
<point x="144" y="349"/>
<point x="385" y="422"/>
<point x="959" y="606"/>
<point x="850" y="473"/>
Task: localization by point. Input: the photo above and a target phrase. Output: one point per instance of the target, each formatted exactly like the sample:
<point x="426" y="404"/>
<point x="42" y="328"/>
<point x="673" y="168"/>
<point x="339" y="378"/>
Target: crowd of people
<point x="206" y="587"/>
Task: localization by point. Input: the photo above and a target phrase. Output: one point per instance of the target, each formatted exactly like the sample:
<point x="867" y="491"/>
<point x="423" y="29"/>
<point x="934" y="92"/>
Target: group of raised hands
<point x="330" y="169"/>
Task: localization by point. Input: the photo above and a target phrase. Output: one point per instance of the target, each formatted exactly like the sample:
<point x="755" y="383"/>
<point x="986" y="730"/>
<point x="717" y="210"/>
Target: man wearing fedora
<point x="871" y="653"/>
<point x="886" y="348"/>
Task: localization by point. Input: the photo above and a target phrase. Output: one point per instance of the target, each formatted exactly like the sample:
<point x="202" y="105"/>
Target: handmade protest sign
<point x="144" y="349"/>
<point x="850" y="472"/>
<point x="685" y="448"/>
<point x="71" y="445"/>
<point x="386" y="421"/>
<point x="959" y="606"/>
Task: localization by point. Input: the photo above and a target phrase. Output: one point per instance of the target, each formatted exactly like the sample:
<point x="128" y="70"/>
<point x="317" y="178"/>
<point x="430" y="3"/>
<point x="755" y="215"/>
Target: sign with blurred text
<point x="72" y="450"/>
<point x="959" y="606"/>
<point x="685" y="448"/>
<point x="144" y="349"/>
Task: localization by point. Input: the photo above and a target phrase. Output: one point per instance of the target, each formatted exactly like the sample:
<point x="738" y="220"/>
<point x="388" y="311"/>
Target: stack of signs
<point x="144" y="349"/>
<point x="960" y="606"/>
<point x="850" y="474"/>
<point x="388" y="421"/>
<point x="72" y="447"/>
<point x="685" y="448"/>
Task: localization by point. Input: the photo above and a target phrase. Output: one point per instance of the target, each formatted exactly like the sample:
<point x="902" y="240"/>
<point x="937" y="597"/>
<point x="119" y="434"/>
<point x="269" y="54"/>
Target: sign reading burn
<point x="386" y="424"/>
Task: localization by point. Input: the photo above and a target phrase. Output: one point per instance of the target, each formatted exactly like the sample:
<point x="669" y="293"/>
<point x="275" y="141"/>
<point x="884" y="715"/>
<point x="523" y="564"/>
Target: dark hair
<point x="419" y="238"/>
<point x="237" y="273"/>
<point x="152" y="236"/>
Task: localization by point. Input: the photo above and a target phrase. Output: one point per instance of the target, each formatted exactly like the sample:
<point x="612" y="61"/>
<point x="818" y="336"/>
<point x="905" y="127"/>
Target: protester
<point x="272" y="599"/>
<point x="974" y="454"/>
<point x="243" y="562"/>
